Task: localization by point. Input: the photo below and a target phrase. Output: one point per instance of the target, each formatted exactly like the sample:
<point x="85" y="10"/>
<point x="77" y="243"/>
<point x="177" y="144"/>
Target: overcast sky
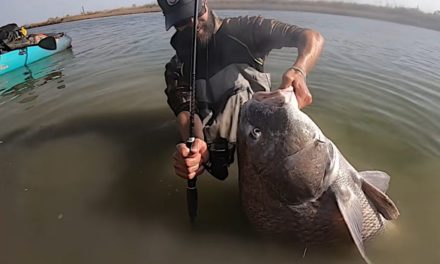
<point x="25" y="11"/>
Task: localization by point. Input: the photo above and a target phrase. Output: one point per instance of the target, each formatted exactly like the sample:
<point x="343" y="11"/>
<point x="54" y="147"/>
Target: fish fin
<point x="351" y="210"/>
<point x="333" y="165"/>
<point x="379" y="179"/>
<point x="380" y="200"/>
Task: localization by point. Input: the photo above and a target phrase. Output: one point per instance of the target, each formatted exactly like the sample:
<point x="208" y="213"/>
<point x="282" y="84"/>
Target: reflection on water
<point x="21" y="82"/>
<point x="86" y="175"/>
<point x="31" y="83"/>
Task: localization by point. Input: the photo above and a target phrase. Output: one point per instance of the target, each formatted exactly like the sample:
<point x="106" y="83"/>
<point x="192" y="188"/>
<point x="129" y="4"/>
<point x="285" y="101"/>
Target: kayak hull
<point x="21" y="57"/>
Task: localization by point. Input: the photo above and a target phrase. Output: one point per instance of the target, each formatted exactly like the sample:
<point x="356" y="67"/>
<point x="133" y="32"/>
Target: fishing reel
<point x="221" y="155"/>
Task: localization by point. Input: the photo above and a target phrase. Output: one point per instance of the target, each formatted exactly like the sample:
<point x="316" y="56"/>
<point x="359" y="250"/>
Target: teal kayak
<point x="24" y="56"/>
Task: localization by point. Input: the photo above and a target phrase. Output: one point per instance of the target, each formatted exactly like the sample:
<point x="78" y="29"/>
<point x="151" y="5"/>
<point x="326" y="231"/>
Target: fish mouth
<point x="277" y="98"/>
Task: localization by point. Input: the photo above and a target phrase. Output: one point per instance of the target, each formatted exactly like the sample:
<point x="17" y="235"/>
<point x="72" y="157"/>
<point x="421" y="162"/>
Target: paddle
<point x="48" y="43"/>
<point x="191" y="190"/>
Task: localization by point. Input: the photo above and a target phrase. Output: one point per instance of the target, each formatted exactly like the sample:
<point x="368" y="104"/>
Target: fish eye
<point x="255" y="133"/>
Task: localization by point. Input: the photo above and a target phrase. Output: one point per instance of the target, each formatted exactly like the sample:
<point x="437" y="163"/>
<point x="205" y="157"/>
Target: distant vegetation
<point x="97" y="14"/>
<point x="409" y="16"/>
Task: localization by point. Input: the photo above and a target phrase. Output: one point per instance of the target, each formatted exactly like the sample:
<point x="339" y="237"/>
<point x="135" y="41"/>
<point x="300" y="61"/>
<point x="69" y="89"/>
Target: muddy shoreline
<point x="413" y="17"/>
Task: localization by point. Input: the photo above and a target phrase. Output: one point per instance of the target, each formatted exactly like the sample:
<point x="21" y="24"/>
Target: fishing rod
<point x="191" y="190"/>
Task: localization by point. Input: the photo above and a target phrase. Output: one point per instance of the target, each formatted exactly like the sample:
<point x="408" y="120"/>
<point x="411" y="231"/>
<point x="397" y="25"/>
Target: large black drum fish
<point x="295" y="183"/>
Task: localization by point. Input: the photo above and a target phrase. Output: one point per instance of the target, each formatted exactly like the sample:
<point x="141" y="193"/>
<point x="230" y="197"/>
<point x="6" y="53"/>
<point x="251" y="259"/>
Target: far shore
<point x="407" y="16"/>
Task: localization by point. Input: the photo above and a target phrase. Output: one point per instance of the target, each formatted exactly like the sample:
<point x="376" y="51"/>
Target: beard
<point x="207" y="30"/>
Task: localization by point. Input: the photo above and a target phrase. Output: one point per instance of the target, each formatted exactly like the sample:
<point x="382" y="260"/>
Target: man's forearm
<point x="309" y="49"/>
<point x="183" y="120"/>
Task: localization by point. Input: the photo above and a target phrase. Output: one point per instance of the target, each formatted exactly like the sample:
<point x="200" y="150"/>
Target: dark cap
<point x="177" y="10"/>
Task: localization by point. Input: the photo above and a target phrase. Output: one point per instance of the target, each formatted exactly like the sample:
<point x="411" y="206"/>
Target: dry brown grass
<point x="97" y="14"/>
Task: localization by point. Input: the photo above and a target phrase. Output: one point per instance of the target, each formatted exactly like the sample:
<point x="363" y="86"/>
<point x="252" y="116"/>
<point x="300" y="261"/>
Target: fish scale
<point x="295" y="184"/>
<point x="373" y="223"/>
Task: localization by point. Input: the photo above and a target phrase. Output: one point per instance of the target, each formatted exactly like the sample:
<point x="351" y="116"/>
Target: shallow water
<point x="86" y="142"/>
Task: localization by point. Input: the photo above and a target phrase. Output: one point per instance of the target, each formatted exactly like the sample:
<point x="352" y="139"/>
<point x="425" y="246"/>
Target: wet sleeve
<point x="263" y="35"/>
<point x="177" y="90"/>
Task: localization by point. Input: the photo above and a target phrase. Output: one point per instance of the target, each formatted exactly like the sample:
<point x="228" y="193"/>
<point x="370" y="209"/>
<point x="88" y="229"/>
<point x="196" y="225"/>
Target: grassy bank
<point x="97" y="14"/>
<point x="406" y="16"/>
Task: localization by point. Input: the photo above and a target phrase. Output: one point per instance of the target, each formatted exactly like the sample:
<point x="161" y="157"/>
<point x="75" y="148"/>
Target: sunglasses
<point x="188" y="20"/>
